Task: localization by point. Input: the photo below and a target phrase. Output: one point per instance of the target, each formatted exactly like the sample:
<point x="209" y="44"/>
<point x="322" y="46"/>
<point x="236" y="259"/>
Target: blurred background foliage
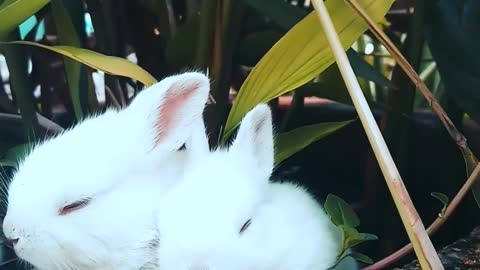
<point x="260" y="51"/>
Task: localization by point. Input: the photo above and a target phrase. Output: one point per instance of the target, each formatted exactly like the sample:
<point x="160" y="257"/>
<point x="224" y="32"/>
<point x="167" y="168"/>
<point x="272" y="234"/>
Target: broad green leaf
<point x="67" y="34"/>
<point x="300" y="56"/>
<point x="14" y="12"/>
<point x="108" y="64"/>
<point x="289" y="143"/>
<point x="341" y="212"/>
<point x="441" y="197"/>
<point x="255" y="45"/>
<point x="15" y="155"/>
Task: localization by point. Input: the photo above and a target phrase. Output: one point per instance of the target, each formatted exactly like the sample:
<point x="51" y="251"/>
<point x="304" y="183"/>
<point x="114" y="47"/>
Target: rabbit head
<point x="85" y="199"/>
<point x="205" y="216"/>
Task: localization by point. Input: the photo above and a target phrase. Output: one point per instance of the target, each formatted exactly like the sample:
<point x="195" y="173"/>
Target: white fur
<point x="200" y="218"/>
<point x="125" y="160"/>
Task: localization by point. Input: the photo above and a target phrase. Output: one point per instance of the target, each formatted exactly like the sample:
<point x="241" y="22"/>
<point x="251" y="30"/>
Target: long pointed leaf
<point x="108" y="64"/>
<point x="300" y="56"/>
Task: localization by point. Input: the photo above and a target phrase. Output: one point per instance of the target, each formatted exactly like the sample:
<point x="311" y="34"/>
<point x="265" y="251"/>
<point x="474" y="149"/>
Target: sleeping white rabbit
<point x="86" y="199"/>
<point x="225" y="214"/>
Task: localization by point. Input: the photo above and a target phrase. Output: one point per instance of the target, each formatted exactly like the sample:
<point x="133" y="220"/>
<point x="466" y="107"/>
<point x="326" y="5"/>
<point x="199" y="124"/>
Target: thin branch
<point x="109" y="92"/>
<point x="458" y="137"/>
<point x="441" y="219"/>
<point x="422" y="245"/>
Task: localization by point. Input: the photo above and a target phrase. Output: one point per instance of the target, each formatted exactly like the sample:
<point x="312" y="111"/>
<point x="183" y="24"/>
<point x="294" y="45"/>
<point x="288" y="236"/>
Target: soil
<point x="463" y="254"/>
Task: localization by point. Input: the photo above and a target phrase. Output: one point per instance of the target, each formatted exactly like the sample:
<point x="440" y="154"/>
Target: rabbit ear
<point x="255" y="138"/>
<point x="198" y="145"/>
<point x="172" y="108"/>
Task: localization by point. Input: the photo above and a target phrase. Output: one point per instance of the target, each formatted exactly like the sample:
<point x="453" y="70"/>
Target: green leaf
<point x="441" y="197"/>
<point x="22" y="88"/>
<point x="330" y="85"/>
<point x="300" y="56"/>
<point x="360" y="257"/>
<point x="255" y="45"/>
<point x="365" y="70"/>
<point x="108" y="64"/>
<point x="289" y="143"/>
<point x="352" y="237"/>
<point x="341" y="212"/>
<point x="282" y="13"/>
<point x="67" y="35"/>
<point x="470" y="164"/>
<point x="15" y="155"/>
<point x="180" y="49"/>
<point x="14" y="12"/>
<point x="453" y="35"/>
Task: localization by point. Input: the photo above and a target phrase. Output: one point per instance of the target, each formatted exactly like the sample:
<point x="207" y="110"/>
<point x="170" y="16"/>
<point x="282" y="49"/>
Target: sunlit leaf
<point x="300" y="56"/>
<point x="340" y="212"/>
<point x="108" y="64"/>
<point x="289" y="143"/>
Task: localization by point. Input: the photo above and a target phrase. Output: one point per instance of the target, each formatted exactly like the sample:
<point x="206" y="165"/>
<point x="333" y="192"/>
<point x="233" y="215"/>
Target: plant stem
<point x="434" y="226"/>
<point x="458" y="137"/>
<point x="422" y="245"/>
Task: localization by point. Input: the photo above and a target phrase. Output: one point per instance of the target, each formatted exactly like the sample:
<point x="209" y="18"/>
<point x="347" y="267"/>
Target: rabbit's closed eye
<point x="67" y="209"/>
<point x="245" y="226"/>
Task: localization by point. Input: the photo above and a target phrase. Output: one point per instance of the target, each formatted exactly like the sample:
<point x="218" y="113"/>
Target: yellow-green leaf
<point x="14" y="12"/>
<point x="300" y="56"/>
<point x="289" y="143"/>
<point x="108" y="64"/>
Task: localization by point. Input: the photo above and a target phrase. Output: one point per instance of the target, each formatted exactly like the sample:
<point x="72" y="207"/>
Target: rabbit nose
<point x="13" y="241"/>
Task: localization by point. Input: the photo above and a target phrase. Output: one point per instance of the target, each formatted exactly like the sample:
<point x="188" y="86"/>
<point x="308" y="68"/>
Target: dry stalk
<point x="422" y="245"/>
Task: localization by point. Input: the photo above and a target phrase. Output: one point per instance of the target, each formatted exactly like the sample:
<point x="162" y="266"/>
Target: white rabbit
<point x="87" y="198"/>
<point x="225" y="214"/>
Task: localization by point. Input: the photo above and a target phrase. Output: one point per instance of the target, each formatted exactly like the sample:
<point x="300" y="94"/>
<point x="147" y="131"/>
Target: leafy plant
<point x="343" y="216"/>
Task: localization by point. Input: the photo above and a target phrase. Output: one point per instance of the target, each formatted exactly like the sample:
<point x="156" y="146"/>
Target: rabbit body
<point x="224" y="213"/>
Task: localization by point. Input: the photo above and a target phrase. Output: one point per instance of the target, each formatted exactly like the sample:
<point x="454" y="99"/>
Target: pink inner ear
<point x="170" y="111"/>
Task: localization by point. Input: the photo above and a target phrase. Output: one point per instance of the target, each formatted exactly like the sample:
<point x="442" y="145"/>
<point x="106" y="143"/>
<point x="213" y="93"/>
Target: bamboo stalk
<point x="422" y="245"/>
<point x="392" y="258"/>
